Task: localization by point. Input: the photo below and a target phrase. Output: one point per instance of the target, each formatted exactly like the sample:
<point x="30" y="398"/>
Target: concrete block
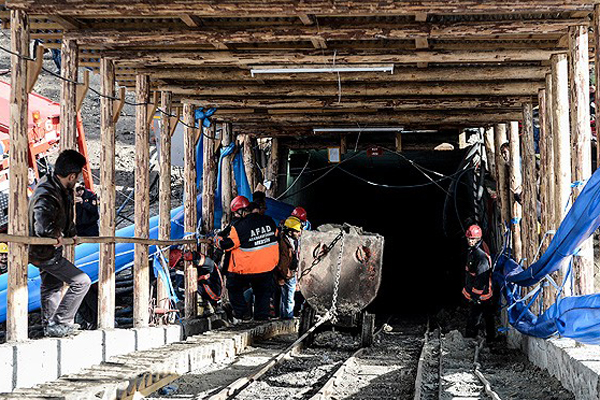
<point x="36" y="362"/>
<point x="116" y="342"/>
<point x="78" y="352"/>
<point x="173" y="333"/>
<point x="6" y="367"/>
<point x="149" y="338"/>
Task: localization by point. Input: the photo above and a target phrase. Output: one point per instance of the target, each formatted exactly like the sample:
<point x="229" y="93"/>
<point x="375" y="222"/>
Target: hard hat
<point x="238" y="203"/>
<point x="293" y="223"/>
<point x="299" y="213"/>
<point x="474" y="232"/>
<point x="3" y="248"/>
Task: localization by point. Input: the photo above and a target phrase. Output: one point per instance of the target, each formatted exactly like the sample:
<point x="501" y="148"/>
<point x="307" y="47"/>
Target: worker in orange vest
<point x="254" y="253"/>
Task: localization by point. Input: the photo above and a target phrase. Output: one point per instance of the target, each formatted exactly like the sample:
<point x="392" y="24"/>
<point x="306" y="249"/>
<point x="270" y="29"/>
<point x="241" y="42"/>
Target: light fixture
<point x="313" y="70"/>
<point x="382" y="129"/>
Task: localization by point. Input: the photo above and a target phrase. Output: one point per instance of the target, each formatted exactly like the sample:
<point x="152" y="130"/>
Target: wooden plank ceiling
<point x="456" y="63"/>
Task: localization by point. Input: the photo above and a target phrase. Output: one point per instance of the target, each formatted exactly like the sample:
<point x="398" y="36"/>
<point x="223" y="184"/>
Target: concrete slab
<point x="6" y="367"/>
<point x="36" y="362"/>
<point x="575" y="365"/>
<point x="117" y="342"/>
<point x="80" y="351"/>
<point x="173" y="333"/>
<point x="149" y="338"/>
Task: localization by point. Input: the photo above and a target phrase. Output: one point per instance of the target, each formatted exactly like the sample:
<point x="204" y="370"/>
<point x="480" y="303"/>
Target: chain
<point x="322" y="254"/>
<point x="336" y="280"/>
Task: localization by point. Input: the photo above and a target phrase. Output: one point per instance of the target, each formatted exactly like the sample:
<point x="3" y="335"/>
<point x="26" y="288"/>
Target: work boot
<point x="61" y="330"/>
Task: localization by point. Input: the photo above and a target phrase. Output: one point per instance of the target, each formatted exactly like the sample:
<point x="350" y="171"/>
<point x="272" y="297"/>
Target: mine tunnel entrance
<point x="422" y="266"/>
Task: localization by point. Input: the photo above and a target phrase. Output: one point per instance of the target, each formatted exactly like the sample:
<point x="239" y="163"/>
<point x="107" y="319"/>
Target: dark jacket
<point x="252" y="242"/>
<point x="478" y="281"/>
<point x="87" y="215"/>
<point x="50" y="215"/>
<point x="288" y="259"/>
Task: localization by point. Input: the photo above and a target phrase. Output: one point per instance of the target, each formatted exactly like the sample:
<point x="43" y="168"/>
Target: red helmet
<point x="474" y="232"/>
<point x="299" y="213"/>
<point x="238" y="203"/>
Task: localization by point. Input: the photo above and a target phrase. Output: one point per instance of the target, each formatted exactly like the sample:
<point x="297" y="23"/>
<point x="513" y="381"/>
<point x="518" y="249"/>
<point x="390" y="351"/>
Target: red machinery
<point x="44" y="134"/>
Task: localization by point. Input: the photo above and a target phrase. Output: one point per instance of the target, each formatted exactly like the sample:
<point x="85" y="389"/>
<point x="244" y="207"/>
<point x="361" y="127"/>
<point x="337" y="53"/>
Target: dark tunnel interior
<point x="422" y="266"/>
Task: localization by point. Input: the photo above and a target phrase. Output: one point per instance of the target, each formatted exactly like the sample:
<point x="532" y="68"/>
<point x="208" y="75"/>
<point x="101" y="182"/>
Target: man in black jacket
<point x="51" y="215"/>
<point x="478" y="286"/>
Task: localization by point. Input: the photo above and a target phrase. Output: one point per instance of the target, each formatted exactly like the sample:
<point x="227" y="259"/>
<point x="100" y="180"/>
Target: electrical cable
<point x="297" y="178"/>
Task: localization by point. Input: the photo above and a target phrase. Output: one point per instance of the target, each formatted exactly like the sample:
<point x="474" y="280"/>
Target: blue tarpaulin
<point x="576" y="317"/>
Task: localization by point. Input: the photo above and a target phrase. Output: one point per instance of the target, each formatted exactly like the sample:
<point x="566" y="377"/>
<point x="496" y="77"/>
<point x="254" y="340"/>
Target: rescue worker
<point x="285" y="273"/>
<point x="239" y="207"/>
<point x="87" y="215"/>
<point x="3" y="258"/>
<point x="51" y="216"/>
<point x="252" y="245"/>
<point x="478" y="286"/>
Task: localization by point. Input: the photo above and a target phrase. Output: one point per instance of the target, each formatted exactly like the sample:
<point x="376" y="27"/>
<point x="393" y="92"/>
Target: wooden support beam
<point x="220" y="46"/>
<point x="490" y="150"/>
<point x="343" y="144"/>
<point x="291" y="7"/>
<point x="152" y="108"/>
<point x="398" y="142"/>
<point x="545" y="201"/>
<point x="273" y="168"/>
<point x="118" y="105"/>
<point x="511" y="88"/>
<point x="421" y="17"/>
<point x="34" y="68"/>
<point x="17" y="292"/>
<point x="68" y="103"/>
<point x="141" y="269"/>
<point x="164" y="191"/>
<point x="401" y="74"/>
<point x="581" y="154"/>
<point x="562" y="144"/>
<point x="502" y="175"/>
<point x="82" y="89"/>
<point x="318" y="43"/>
<point x="516" y="182"/>
<point x="68" y="23"/>
<point x="249" y="163"/>
<point x="596" y="25"/>
<point x="191" y="20"/>
<point x="480" y="30"/>
<point x="175" y="119"/>
<point x="421" y="43"/>
<point x="106" y="271"/>
<point x="226" y="174"/>
<point x="243" y="58"/>
<point x="307" y="19"/>
<point x="530" y="195"/>
<point x="209" y="182"/>
<point x="190" y="215"/>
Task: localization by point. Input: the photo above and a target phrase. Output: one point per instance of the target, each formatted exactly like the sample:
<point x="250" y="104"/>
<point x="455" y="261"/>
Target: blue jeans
<point x="288" y="289"/>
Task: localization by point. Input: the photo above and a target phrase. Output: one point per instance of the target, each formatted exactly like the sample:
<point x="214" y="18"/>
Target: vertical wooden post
<point x="164" y="190"/>
<point x="17" y="296"/>
<point x="249" y="165"/>
<point x="502" y="173"/>
<point x="462" y="139"/>
<point x="490" y="150"/>
<point x="516" y="181"/>
<point x="141" y="269"/>
<point x="226" y="175"/>
<point x="190" y="215"/>
<point x="562" y="143"/>
<point x="581" y="156"/>
<point x="343" y="144"/>
<point x="398" y="142"/>
<point x="106" y="268"/>
<point x="209" y="179"/>
<point x="68" y="101"/>
<point x="68" y="107"/>
<point x="545" y="201"/>
<point x="596" y="24"/>
<point x="550" y="174"/>
<point x="273" y="167"/>
<point x="284" y="152"/>
<point x="530" y="187"/>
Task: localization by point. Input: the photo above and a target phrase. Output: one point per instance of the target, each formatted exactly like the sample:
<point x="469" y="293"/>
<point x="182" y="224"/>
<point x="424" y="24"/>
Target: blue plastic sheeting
<point x="576" y="317"/>
<point x="579" y="224"/>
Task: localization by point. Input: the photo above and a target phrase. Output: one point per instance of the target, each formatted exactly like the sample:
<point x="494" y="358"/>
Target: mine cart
<point x="340" y="268"/>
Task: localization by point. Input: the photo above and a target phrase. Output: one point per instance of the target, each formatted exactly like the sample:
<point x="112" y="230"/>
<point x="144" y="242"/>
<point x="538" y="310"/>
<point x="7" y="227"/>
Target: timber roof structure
<point x="456" y="63"/>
